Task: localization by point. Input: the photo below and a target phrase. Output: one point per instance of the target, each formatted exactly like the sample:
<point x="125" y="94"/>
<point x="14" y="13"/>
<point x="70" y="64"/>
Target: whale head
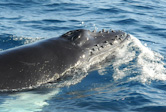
<point x="88" y="39"/>
<point x="96" y="45"/>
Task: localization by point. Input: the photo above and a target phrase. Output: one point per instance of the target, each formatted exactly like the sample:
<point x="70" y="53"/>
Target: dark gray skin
<point x="39" y="63"/>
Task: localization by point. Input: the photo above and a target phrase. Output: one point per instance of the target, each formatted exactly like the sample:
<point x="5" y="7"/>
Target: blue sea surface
<point x="135" y="81"/>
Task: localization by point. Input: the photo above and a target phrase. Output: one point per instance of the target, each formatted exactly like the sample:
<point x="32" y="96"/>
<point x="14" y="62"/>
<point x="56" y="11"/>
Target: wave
<point x="9" y="41"/>
<point x="137" y="62"/>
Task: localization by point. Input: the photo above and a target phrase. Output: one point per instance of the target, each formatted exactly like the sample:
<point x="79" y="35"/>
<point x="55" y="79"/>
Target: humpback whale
<point x="45" y="61"/>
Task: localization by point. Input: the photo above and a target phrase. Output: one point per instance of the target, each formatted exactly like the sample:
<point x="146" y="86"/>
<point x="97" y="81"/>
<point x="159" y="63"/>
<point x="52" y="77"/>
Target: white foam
<point x="151" y="64"/>
<point x="138" y="62"/>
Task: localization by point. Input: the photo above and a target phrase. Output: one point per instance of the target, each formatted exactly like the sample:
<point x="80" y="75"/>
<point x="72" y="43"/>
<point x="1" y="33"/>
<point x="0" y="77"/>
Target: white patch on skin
<point x="29" y="64"/>
<point x="83" y="56"/>
<point x="27" y="101"/>
<point x="115" y="42"/>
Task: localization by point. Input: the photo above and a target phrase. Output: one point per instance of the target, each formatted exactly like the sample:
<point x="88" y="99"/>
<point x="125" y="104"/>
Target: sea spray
<point x="138" y="62"/>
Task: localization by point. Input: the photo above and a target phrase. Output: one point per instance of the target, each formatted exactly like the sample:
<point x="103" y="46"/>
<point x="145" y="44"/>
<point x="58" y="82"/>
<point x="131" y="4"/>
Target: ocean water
<point x="135" y="81"/>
